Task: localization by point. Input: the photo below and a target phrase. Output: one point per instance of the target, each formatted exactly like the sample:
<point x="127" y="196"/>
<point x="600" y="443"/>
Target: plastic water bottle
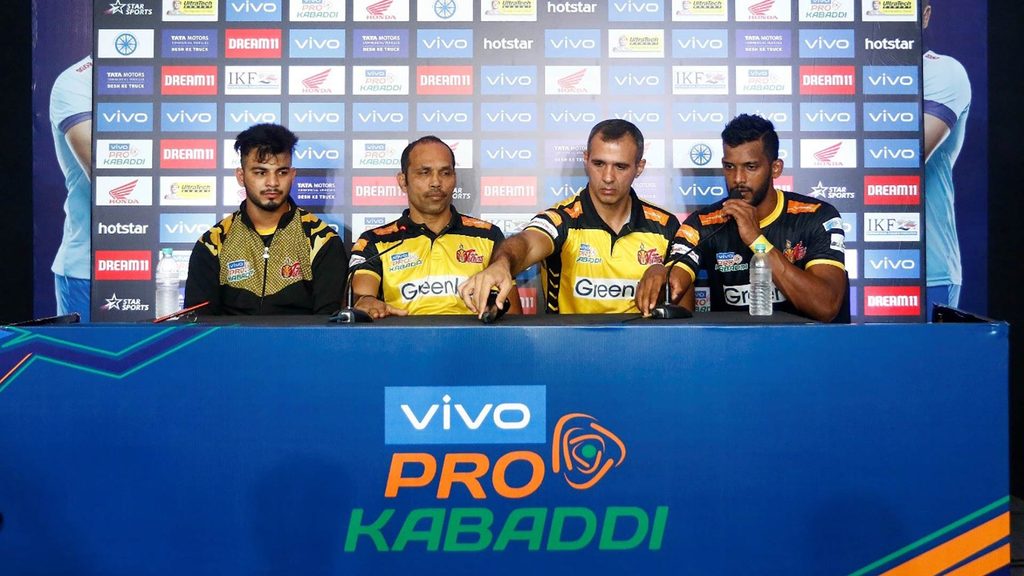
<point x="761" y="287"/>
<point x="166" y="284"/>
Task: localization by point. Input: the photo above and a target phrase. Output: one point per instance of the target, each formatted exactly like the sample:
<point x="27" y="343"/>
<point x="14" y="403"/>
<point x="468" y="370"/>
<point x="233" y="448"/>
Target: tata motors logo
<point x="380" y="43"/>
<point x="125" y="80"/>
<point x="189" y="43"/>
<point x="900" y="190"/>
<point x="123" y="265"/>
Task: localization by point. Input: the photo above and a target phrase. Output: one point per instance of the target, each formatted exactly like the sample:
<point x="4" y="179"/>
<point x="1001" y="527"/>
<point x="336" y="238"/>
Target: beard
<point x="757" y="196"/>
<point x="267" y="205"/>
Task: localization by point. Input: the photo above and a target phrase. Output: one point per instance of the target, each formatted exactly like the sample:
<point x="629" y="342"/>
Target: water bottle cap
<point x="759" y="247"/>
<point x="167" y="251"/>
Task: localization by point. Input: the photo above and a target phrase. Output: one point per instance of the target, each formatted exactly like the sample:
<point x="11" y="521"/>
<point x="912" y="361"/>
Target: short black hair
<point x="748" y="128"/>
<point x="614" y="129"/>
<point x="267" y="139"/>
<point x="423" y="140"/>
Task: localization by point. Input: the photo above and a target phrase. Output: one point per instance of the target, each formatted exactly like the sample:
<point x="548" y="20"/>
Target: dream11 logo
<point x="584" y="452"/>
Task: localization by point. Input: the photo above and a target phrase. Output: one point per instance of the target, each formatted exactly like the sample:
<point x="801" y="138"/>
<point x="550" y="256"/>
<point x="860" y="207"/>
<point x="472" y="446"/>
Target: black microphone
<point x="349" y="314"/>
<point x="668" y="310"/>
<point x="491" y="310"/>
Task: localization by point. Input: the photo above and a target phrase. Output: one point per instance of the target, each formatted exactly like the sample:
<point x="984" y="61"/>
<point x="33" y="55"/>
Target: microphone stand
<point x="350" y="314"/>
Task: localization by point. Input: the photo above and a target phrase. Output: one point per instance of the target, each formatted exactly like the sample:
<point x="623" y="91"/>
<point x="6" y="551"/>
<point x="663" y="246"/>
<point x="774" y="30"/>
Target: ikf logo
<point x="465" y="415"/>
<point x="240" y="115"/>
<point x="188" y="117"/>
<point x="700" y="190"/>
<point x="252" y="43"/>
<point x="184" y="228"/>
<point x="123" y="265"/>
<point x="891" y="153"/>
<point x="188" y="154"/>
<point x="253" y="11"/>
<point x="637" y="80"/>
<point x="892" y="300"/>
<point x="124" y="117"/>
<point x="822" y="43"/>
<point x="124" y="43"/>
<point x="317" y="117"/>
<point x="319" y="154"/>
<point x="188" y="80"/>
<point x="892" y="227"/>
<point x="635" y="10"/>
<point x="440" y="43"/>
<point x="304" y="43"/>
<point x="892" y="264"/>
<point x="508" y="116"/>
<point x="898" y="190"/>
<point x="189" y="44"/>
<point x="508" y="80"/>
<point x="444" y="117"/>
<point x="891" y="80"/>
<point x="252" y="80"/>
<point x="831" y="80"/>
<point x="125" y="80"/>
<point x="891" y="117"/>
<point x="828" y="117"/>
<point x="380" y="117"/>
<point x="692" y="44"/>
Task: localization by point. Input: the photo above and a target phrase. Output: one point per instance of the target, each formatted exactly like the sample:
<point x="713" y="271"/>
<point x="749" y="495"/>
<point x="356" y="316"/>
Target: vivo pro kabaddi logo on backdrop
<point x="498" y="443"/>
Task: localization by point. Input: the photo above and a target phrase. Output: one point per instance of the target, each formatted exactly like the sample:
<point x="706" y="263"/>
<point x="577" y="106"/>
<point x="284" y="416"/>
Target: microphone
<point x="491" y="310"/>
<point x="349" y="314"/>
<point x="182" y="312"/>
<point x="668" y="310"/>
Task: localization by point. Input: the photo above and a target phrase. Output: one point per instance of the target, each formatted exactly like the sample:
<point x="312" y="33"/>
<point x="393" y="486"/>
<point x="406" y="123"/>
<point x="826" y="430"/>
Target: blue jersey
<point x="70" y="105"/>
<point x="947" y="96"/>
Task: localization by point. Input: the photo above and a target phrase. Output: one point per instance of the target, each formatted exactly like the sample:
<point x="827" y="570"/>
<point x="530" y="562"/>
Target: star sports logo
<point x="113" y="303"/>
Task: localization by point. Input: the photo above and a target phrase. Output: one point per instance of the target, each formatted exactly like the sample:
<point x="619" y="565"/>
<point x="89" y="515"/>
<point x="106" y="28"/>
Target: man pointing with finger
<point x="804" y="236"/>
<point x="596" y="245"/>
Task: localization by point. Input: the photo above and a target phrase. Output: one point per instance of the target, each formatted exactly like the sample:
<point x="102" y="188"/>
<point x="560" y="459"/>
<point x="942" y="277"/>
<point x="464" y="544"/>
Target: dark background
<point x="1005" y="205"/>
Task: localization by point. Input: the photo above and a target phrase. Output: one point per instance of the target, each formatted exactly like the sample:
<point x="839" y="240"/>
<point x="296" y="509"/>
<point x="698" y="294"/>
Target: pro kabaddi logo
<point x="584" y="453"/>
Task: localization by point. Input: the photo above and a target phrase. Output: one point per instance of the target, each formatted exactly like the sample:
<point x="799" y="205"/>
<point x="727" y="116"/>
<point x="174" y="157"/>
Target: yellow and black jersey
<point x="592" y="269"/>
<point x="423" y="274"/>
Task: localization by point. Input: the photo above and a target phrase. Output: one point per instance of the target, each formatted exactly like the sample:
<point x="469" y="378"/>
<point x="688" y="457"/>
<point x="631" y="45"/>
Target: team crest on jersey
<point x="588" y="255"/>
<point x="239" y="270"/>
<point x="291" y="270"/>
<point x="468" y="256"/>
<point x="648" y="256"/>
<point x="794" y="253"/>
<point x="729" y="262"/>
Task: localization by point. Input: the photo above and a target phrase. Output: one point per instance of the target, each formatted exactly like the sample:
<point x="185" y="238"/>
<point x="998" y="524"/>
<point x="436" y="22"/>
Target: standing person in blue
<point x="269" y="256"/>
<point x="947" y="100"/>
<point x="71" y="125"/>
<point x="803" y="237"/>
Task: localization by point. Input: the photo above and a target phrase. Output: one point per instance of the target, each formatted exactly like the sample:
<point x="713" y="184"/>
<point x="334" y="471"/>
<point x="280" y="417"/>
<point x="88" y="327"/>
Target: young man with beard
<point x="803" y="236"/>
<point x="270" y="256"/>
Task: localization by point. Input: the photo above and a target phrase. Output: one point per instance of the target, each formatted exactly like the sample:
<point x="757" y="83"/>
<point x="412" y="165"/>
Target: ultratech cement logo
<point x="123" y="265"/>
<point x="583" y="452"/>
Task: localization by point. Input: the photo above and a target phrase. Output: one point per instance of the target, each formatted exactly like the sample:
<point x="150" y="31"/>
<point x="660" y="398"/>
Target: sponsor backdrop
<point x="514" y="87"/>
<point x="139" y="450"/>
